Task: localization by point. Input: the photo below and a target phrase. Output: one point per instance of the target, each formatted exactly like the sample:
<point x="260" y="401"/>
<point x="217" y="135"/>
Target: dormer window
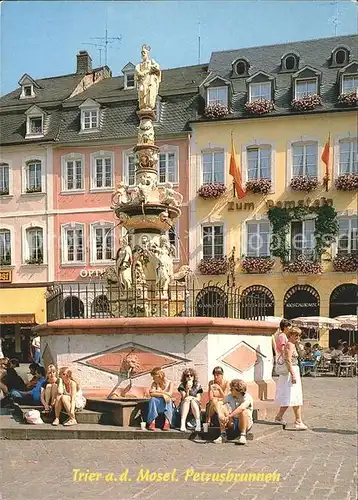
<point x="340" y="56"/>
<point x="305" y="87"/>
<point x="35" y="125"/>
<point x="289" y="62"/>
<point x="217" y="95"/>
<point x="240" y="67"/>
<point x="129" y="81"/>
<point x="28" y="86"/>
<point x="259" y="91"/>
<point x="90" y="114"/>
<point x="128" y="72"/>
<point x="34" y="122"/>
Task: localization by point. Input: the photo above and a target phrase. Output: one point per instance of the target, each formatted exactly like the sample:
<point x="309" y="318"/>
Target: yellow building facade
<point x="236" y="220"/>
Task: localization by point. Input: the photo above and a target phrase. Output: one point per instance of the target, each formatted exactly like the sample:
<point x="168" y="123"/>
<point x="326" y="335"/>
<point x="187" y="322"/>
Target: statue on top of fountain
<point x="148" y="78"/>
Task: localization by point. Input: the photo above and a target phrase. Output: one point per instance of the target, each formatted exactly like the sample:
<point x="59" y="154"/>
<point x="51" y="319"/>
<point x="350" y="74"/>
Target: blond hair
<point x="66" y="371"/>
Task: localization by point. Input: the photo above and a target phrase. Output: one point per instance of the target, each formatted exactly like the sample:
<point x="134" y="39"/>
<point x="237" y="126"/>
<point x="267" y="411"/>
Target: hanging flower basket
<point x="212" y="190"/>
<point x="216" y="111"/>
<point x="346" y="263"/>
<point x="214" y="266"/>
<point x="306" y="103"/>
<point x="3" y="192"/>
<point x="262" y="186"/>
<point x="304" y="183"/>
<point x="349" y="100"/>
<point x="303" y="266"/>
<point x="259" y="107"/>
<point x="257" y="265"/>
<point x="347" y="182"/>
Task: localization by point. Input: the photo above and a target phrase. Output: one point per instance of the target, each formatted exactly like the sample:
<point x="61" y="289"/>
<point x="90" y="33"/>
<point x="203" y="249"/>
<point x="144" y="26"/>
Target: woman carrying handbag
<point x="289" y="387"/>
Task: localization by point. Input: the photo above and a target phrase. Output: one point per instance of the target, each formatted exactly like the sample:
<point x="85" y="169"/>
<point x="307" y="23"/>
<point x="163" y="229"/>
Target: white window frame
<point x="259" y="143"/>
<point x="26" y="162"/>
<point x="25" y="243"/>
<point x="125" y="162"/>
<point x="64" y="248"/>
<point x="11" y="231"/>
<point x="304" y="223"/>
<point x="302" y="80"/>
<point x="106" y="226"/>
<point x="260" y="148"/>
<point x="126" y="75"/>
<point x="258" y="232"/>
<point x="350" y="141"/>
<point x="6" y="164"/>
<point x="177" y="242"/>
<point x="23" y="95"/>
<point x="64" y="172"/>
<point x="168" y="149"/>
<point x="350" y="229"/>
<point x="101" y="155"/>
<point x="355" y="82"/>
<point x="304" y="144"/>
<point x="213" y="225"/>
<point x="29" y="133"/>
<point x="212" y="152"/>
<point x="259" y="85"/>
<point x="211" y="100"/>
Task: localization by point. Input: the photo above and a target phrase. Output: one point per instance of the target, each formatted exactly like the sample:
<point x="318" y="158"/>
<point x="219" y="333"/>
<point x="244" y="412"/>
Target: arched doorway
<point x="74" y="307"/>
<point x="344" y="300"/>
<point x="257" y="300"/>
<point x="100" y="306"/>
<point x="301" y="300"/>
<point x="212" y="302"/>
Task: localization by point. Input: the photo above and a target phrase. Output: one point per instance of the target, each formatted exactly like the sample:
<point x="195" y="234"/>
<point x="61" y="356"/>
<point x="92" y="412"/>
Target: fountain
<point x="148" y="320"/>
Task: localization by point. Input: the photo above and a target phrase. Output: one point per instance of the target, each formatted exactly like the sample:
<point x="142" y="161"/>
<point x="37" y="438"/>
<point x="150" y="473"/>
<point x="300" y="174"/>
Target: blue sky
<point x="42" y="38"/>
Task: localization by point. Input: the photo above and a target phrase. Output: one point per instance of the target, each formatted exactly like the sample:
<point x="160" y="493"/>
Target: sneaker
<point x="71" y="421"/>
<point x="241" y="440"/>
<point x="198" y="428"/>
<point x="220" y="440"/>
<point x="183" y="429"/>
<point x="300" y="426"/>
<point x="56" y="422"/>
<point x="151" y="426"/>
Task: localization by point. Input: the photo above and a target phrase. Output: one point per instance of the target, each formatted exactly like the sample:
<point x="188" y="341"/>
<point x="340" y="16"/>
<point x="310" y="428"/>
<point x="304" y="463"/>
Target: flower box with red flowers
<point x="216" y="111"/>
<point x="257" y="265"/>
<point x="346" y="262"/>
<point x="262" y="186"/>
<point x="347" y="182"/>
<point x="214" y="266"/>
<point x="259" y="107"/>
<point x="350" y="99"/>
<point x="304" y="183"/>
<point x="212" y="190"/>
<point x="306" y="102"/>
<point x="302" y="265"/>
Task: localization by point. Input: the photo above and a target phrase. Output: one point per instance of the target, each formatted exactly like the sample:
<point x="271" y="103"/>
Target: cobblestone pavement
<point x="316" y="464"/>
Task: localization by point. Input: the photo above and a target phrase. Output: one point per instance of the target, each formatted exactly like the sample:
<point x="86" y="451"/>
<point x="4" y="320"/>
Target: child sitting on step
<point x="236" y="413"/>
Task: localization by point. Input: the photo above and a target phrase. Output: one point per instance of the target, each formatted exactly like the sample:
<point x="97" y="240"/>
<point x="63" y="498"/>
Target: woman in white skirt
<point x="289" y="387"/>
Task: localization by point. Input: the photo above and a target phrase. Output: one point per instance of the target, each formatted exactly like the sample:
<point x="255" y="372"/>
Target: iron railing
<point x="102" y="300"/>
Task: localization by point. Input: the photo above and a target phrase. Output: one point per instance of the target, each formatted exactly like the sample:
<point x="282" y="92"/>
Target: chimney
<point x="84" y="63"/>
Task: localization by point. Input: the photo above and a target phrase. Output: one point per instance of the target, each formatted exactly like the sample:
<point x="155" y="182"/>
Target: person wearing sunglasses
<point x="190" y="391"/>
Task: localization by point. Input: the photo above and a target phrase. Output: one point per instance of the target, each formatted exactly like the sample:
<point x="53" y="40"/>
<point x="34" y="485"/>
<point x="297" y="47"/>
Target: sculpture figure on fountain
<point x="148" y="78"/>
<point x="124" y="261"/>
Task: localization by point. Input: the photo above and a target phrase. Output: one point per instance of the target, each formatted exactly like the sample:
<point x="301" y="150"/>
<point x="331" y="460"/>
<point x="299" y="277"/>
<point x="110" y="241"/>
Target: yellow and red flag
<point x="235" y="173"/>
<point x="325" y="159"/>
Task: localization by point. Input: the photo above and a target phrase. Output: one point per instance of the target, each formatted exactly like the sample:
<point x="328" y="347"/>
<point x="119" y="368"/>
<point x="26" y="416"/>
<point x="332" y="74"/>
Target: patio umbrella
<point x="273" y="319"/>
<point x="348" y="322"/>
<point x="315" y="322"/>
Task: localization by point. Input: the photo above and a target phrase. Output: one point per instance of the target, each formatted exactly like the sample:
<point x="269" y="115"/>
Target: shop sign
<point x="301" y="304"/>
<point x="92" y="273"/>
<point x="239" y="205"/>
<point x="307" y="202"/>
<point x="5" y="276"/>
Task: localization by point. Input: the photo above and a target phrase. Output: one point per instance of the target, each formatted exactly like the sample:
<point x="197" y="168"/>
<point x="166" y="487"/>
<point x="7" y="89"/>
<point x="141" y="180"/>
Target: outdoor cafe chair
<point x="346" y="363"/>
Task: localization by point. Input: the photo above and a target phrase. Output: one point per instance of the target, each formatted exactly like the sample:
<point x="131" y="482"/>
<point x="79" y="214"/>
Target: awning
<point x="16" y="319"/>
